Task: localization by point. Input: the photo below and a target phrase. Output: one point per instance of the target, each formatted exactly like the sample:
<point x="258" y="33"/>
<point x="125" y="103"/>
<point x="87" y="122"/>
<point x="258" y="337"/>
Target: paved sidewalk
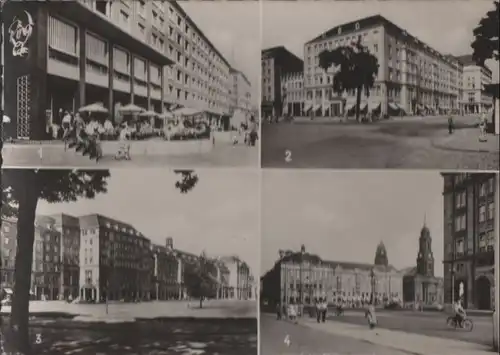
<point x="467" y="140"/>
<point x="407" y="342"/>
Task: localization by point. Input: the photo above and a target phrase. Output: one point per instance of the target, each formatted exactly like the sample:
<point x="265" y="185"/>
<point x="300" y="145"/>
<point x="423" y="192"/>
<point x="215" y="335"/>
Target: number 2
<point x="288" y="156"/>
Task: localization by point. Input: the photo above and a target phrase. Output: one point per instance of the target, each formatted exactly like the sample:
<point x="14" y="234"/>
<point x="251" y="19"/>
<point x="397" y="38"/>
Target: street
<point x="53" y="155"/>
<point x="144" y="337"/>
<point x="304" y="340"/>
<point x="429" y="323"/>
<point x="411" y="142"/>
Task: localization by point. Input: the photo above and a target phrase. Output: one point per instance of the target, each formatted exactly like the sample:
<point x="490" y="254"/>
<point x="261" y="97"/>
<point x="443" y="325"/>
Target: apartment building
<point x="239" y="286"/>
<point x="149" y="53"/>
<point x="412" y="76"/>
<point x="292" y="92"/>
<point x="241" y="94"/>
<point x="476" y="78"/>
<point x="276" y="62"/>
<point x="470" y="233"/>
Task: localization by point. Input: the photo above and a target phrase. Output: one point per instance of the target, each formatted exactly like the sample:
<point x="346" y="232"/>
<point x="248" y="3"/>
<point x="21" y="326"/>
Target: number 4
<point x="287" y="340"/>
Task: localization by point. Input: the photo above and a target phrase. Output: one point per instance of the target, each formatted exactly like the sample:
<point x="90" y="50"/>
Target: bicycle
<point x="467" y="324"/>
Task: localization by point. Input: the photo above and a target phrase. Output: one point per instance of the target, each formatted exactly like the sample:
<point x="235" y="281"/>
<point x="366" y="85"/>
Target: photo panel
<point x="131" y="83"/>
<point x="380" y="84"/>
<point x="101" y="267"/>
<point x="379" y="262"/>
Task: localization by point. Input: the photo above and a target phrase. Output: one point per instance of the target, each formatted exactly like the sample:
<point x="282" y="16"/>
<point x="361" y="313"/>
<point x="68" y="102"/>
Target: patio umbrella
<point x="6" y="119"/>
<point x="148" y="114"/>
<point x="187" y="111"/>
<point x="131" y="108"/>
<point x="166" y="115"/>
<point x="94" y="108"/>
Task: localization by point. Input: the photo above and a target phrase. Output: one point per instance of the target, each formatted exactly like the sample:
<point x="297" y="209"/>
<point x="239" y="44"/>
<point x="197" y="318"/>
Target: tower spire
<point x="425" y="219"/>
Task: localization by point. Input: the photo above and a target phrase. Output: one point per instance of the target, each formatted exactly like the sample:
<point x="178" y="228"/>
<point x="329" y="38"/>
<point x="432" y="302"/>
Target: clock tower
<point x="425" y="258"/>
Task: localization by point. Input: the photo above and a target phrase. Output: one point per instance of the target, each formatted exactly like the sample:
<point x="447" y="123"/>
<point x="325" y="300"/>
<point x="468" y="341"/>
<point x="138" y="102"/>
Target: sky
<point x="444" y="25"/>
<point x="220" y="215"/>
<point x="234" y="28"/>
<point x="344" y="215"/>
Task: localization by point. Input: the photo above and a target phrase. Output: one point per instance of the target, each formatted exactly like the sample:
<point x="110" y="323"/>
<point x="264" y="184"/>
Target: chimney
<point x="170" y="243"/>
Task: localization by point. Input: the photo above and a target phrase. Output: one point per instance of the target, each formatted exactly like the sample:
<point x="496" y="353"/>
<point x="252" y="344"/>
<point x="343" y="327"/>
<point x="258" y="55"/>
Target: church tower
<point x="425" y="258"/>
<point x="381" y="255"/>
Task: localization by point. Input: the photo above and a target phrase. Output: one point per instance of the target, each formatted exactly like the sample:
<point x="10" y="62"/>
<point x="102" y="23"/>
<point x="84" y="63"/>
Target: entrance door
<point x="483" y="293"/>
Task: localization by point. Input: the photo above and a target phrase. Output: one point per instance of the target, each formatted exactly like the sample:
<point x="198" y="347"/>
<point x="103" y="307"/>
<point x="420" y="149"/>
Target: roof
<point x="372" y="21"/>
<point x="409" y="271"/>
<point x="276" y="51"/>
<point x="66" y="220"/>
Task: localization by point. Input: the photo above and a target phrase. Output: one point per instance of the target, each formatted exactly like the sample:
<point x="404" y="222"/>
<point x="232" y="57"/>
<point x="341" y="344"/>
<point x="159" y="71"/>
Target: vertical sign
<point x="25" y="74"/>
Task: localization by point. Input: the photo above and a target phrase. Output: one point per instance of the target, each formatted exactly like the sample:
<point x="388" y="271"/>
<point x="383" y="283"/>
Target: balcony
<point x="62" y="64"/>
<point x="96" y="73"/>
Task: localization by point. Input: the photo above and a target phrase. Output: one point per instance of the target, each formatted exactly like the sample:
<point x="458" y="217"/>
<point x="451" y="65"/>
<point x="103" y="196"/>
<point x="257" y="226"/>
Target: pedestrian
<point x="324" y="310"/>
<point x="451" y="125"/>
<point x="278" y="311"/>
<point x="319" y="309"/>
<point x="370" y="315"/>
<point x="482" y="127"/>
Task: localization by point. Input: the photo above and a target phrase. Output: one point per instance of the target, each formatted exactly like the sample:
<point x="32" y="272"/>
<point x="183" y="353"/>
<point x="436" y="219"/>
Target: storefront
<point x="63" y="55"/>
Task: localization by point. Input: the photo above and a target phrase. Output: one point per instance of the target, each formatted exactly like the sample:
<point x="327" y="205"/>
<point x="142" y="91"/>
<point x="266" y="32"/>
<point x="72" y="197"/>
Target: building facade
<point x="470" y="233"/>
<point x="475" y="98"/>
<point x="149" y="53"/>
<point x="420" y="285"/>
<point x="292" y="92"/>
<point x="412" y="77"/>
<point x="240" y="92"/>
<point x="276" y="63"/>
<point x="302" y="278"/>
<point x="239" y="285"/>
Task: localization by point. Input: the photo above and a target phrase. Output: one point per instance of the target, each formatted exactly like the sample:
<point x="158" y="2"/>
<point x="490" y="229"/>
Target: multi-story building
<point x="292" y="92"/>
<point x="240" y="92"/>
<point x="470" y="231"/>
<point x="276" y="62"/>
<point x="239" y="277"/>
<point x="412" y="76"/>
<point x="8" y="242"/>
<point x="303" y="278"/>
<point x="420" y="285"/>
<point x="167" y="272"/>
<point x="149" y="53"/>
<point x="475" y="78"/>
<point x="115" y="260"/>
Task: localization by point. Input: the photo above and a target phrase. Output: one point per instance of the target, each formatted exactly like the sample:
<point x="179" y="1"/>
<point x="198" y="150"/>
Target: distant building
<point x="476" y="99"/>
<point x="303" y="278"/>
<point x="292" y="92"/>
<point x="469" y="238"/>
<point x="276" y="62"/>
<point x="412" y="76"/>
<point x="239" y="278"/>
<point x="167" y="275"/>
<point x="420" y="286"/>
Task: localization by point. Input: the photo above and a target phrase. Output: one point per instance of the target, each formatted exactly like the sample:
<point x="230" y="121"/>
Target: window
<point x="482" y="242"/>
<point x="97" y="49"/>
<point x="482" y="190"/>
<point x="482" y="213"/>
<point x="124" y="19"/>
<point x="460" y="223"/>
<point x="491" y="211"/>
<point x="62" y="36"/>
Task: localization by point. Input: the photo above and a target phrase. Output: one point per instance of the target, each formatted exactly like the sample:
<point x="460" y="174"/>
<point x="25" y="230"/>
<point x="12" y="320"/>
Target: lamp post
<point x="452" y="283"/>
<point x="301" y="295"/>
<point x="372" y="279"/>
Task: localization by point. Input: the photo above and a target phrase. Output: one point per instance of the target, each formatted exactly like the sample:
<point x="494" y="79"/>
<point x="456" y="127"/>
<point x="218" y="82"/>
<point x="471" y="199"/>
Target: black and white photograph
<point x="131" y="83"/>
<point x="93" y="265"/>
<point x="386" y="263"/>
<point x="380" y="84"/>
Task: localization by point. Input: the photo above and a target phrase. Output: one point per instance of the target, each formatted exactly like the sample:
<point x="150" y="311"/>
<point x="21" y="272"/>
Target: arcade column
<point x="25" y="68"/>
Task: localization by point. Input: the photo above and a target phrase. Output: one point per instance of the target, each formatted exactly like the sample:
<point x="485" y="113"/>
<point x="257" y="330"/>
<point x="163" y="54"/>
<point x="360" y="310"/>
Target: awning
<point x="349" y="107"/>
<point x="131" y="108"/>
<point x="373" y="106"/>
<point x="307" y="106"/>
<point x="316" y="107"/>
<point x="362" y="106"/>
<point x="187" y="111"/>
<point x="92" y="108"/>
<point x="149" y="114"/>
<point x="393" y="106"/>
<point x="8" y="291"/>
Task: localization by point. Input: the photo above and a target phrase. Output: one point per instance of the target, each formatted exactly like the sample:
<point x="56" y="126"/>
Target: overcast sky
<point x="343" y="215"/>
<point x="234" y="28"/>
<point x="220" y="215"/>
<point x="444" y="25"/>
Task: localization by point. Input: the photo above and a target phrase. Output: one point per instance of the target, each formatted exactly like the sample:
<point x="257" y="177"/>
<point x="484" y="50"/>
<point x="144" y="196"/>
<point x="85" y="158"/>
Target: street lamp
<point x="452" y="283"/>
<point x="301" y="295"/>
<point x="372" y="279"/>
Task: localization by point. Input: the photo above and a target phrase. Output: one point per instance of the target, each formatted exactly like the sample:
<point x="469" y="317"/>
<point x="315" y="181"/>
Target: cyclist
<point x="459" y="313"/>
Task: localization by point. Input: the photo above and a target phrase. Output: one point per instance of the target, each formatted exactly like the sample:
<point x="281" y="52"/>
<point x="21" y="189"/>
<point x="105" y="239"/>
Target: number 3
<point x="38" y="338"/>
<point x="288" y="156"/>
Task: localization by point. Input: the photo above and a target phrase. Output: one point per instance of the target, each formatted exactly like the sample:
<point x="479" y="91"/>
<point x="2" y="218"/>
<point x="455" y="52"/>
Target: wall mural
<point x="19" y="34"/>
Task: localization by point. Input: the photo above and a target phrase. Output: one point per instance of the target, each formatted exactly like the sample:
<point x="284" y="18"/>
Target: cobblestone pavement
<point x="415" y="143"/>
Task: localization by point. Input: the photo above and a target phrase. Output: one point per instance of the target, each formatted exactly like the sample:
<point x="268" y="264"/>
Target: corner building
<point x="75" y="53"/>
<point x="412" y="76"/>
<point x="470" y="232"/>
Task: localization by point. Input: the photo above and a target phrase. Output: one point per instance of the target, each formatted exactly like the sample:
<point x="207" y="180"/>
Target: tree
<point x="355" y="69"/>
<point x="22" y="189"/>
<point x="486" y="44"/>
<point x="200" y="283"/>
<point x="187" y="182"/>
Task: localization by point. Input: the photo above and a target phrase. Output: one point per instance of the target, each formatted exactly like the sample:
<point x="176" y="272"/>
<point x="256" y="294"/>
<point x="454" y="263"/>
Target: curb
<point x="464" y="150"/>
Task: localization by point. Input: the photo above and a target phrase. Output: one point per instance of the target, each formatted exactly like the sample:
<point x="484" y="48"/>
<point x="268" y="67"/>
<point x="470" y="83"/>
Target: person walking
<point x="324" y="310"/>
<point x="278" y="311"/>
<point x="451" y="124"/>
<point x="370" y="315"/>
<point x="319" y="310"/>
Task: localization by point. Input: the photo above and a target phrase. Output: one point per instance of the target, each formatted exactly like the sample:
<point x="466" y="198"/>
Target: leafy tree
<point x="356" y="69"/>
<point x="486" y="45"/>
<point x="187" y="182"/>
<point x="22" y="189"/>
<point x="199" y="281"/>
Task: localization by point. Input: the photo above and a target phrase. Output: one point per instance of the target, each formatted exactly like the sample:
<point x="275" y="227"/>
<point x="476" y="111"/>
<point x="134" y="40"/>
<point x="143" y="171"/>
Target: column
<point x="111" y="81"/>
<point x="162" y="99"/>
<point x="82" y="66"/>
<point x="148" y="82"/>
<point x="180" y="293"/>
<point x="323" y="111"/>
<point x="132" y="77"/>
